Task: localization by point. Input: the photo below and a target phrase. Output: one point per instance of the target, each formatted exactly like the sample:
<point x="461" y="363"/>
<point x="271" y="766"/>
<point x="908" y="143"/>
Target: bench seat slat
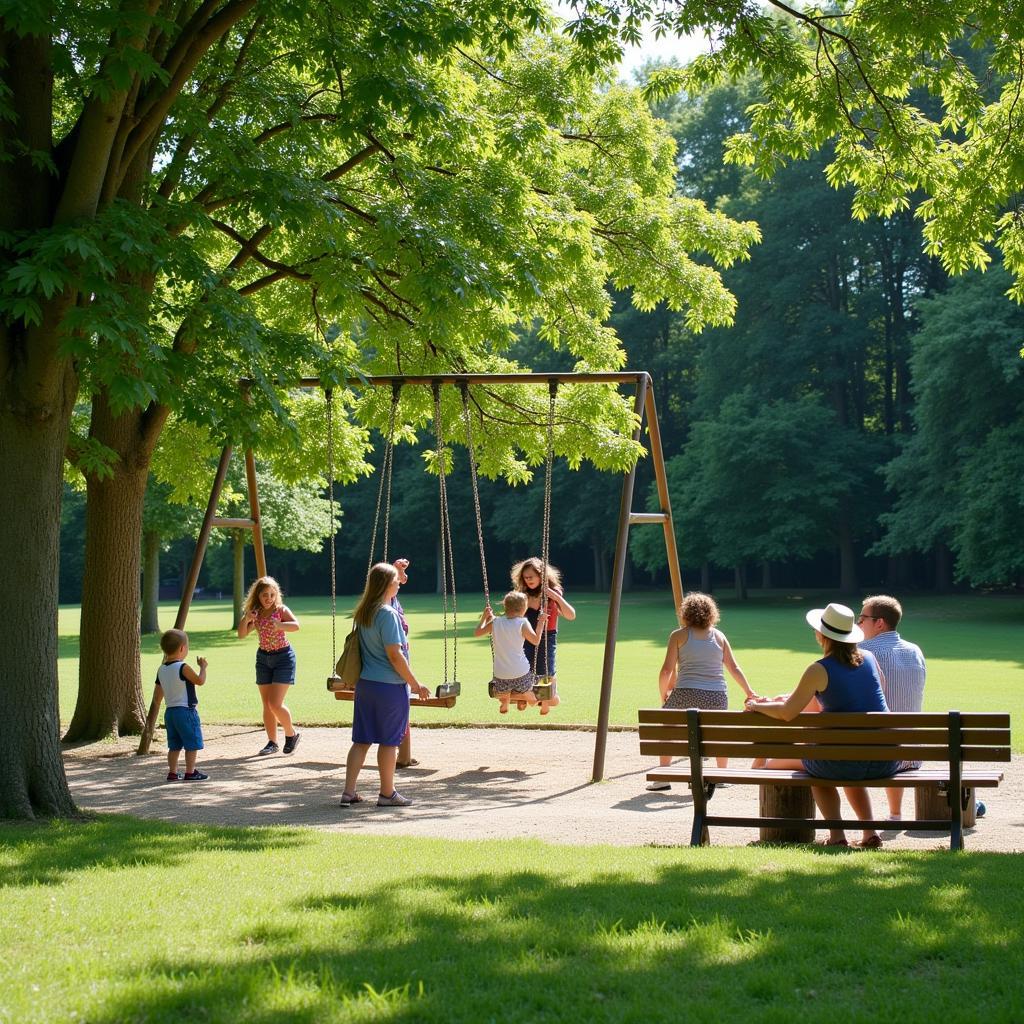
<point x="821" y="752"/>
<point x="885" y="719"/>
<point x="767" y="776"/>
<point x="879" y="737"/>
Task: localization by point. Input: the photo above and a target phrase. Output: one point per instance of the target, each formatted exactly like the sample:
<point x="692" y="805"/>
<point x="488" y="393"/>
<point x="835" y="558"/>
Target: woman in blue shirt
<point x="846" y="679"/>
<point x="381" y="710"/>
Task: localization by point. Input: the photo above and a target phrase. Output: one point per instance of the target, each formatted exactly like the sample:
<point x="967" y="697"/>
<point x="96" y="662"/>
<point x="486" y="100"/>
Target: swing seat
<point x="451" y="689"/>
<point x="543" y="688"/>
<point x="334" y="683"/>
<point x="414" y="702"/>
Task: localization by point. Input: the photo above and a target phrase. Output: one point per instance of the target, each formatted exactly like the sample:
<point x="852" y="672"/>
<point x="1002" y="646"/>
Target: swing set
<point x="448" y="690"/>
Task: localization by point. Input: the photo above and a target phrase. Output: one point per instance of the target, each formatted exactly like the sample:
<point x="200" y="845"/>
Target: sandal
<point x="411" y="763"/>
<point x="871" y="843"/>
<point x="349" y="798"/>
<point x="834" y="842"/>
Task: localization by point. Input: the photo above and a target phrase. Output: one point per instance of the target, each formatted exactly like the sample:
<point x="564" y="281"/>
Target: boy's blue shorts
<point x="183" y="729"/>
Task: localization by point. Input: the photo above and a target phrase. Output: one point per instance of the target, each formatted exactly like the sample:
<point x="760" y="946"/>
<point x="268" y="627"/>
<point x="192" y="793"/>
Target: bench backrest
<point x="834" y="736"/>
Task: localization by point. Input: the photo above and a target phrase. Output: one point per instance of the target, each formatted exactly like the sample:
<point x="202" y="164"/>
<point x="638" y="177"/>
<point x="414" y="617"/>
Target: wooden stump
<point x="787" y="802"/>
<point x="931" y="805"/>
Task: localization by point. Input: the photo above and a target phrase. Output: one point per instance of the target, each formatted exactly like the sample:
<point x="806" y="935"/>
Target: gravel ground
<point x="471" y="783"/>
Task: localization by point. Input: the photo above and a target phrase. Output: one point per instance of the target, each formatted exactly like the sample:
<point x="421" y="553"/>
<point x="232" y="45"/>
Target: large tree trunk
<point x="109" y="681"/>
<point x="33" y="434"/>
<point x="238" y="576"/>
<point x="151" y="582"/>
<point x="740" y="578"/>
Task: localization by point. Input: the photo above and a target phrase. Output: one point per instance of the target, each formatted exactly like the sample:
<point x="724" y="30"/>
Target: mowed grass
<point x="119" y="920"/>
<point x="973" y="645"/>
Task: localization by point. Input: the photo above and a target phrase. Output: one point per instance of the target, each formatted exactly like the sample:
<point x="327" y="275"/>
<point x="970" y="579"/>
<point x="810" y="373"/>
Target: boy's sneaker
<point x="270" y="748"/>
<point x="658" y="787"/>
<point x="196" y="776"/>
<point x="174" y="776"/>
<point x="291" y="742"/>
<point x="395" y="800"/>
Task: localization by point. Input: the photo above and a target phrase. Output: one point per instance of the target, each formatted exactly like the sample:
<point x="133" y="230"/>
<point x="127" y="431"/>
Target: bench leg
<point x="787" y="802"/>
<point x="699" y="835"/>
<point x="931" y="803"/>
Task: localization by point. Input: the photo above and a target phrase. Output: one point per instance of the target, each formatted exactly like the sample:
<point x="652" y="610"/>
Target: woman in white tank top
<point x="693" y="673"/>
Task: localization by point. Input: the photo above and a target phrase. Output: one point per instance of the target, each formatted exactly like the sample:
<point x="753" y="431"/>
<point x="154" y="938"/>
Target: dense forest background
<point x="859" y="427"/>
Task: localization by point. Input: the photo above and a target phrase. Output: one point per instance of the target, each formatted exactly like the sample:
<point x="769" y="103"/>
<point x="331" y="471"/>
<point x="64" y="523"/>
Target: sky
<point x="683" y="50"/>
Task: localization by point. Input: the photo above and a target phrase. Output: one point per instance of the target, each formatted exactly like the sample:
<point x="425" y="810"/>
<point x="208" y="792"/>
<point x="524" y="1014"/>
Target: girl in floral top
<point x="275" y="659"/>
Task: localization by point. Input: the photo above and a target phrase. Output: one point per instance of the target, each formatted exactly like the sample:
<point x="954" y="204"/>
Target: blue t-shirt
<point x="852" y="689"/>
<point x="373" y="641"/>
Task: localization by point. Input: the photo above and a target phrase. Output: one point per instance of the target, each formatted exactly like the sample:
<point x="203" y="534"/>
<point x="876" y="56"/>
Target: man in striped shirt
<point x="902" y="665"/>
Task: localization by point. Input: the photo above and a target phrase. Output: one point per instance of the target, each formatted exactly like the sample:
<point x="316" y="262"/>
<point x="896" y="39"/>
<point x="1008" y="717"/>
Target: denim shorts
<point x="183" y="729"/>
<point x="546" y="654"/>
<point x="851" y="769"/>
<point x="275" y="666"/>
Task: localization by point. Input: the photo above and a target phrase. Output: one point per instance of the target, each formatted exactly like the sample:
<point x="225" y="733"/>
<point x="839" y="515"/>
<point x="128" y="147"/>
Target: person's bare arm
<point x="814" y="679"/>
<point x="532" y="633"/>
<point x="733" y="667"/>
<point x="565" y="609"/>
<point x="246" y="625"/>
<point x="190" y="674"/>
<point x="401" y="666"/>
<point x="288" y="623"/>
<point x="667" y="675"/>
<point x="485" y="625"/>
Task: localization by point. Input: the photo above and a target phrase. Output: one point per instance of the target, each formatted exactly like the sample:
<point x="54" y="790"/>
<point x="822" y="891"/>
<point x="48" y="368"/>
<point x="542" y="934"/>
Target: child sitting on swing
<point x="512" y="675"/>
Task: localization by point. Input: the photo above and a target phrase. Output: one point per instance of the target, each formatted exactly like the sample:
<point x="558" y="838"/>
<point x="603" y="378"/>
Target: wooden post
<point x="787" y="802"/>
<point x="190" y="586"/>
<point x="661" y="481"/>
<point x="615" y="598"/>
<point x="254" y="512"/>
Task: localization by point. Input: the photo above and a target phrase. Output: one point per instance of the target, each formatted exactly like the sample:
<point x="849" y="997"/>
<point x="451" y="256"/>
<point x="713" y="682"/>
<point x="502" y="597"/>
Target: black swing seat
<point x="540" y="690"/>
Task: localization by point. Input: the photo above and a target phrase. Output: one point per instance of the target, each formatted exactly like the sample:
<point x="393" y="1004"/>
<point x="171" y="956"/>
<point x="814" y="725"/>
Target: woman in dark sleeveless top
<point x="846" y="679"/>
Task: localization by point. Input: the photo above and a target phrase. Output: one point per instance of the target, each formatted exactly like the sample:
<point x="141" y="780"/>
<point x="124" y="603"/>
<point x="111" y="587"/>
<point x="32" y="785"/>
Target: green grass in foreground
<point x="972" y="644"/>
<point x="120" y="920"/>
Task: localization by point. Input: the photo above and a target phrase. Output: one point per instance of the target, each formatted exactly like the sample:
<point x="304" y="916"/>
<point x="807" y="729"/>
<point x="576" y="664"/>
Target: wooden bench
<point x="945" y="743"/>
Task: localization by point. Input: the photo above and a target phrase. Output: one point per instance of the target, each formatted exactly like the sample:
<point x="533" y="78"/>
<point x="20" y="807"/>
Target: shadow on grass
<point x="768" y="936"/>
<point x="48" y="853"/>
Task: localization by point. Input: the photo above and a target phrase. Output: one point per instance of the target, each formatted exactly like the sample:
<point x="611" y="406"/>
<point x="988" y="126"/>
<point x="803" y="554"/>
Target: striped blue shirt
<point x="903" y="665"/>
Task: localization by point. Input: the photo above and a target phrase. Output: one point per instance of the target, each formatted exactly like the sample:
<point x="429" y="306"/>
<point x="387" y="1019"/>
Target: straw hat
<point x="837" y="622"/>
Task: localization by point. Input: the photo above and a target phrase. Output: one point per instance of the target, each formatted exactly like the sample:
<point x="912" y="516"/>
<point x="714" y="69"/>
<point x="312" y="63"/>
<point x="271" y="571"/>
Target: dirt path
<point x="470" y="784"/>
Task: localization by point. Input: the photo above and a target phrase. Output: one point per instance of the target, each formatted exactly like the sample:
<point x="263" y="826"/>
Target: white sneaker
<point x="894" y="817"/>
<point x="395" y="800"/>
<point x="657" y="787"/>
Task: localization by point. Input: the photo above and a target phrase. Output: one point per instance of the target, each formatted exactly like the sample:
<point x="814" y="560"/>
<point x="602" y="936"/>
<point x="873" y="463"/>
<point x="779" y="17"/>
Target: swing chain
<point x="471" y="450"/>
<point x="447" y="551"/>
<point x="385" y="478"/>
<point x="329" y="395"/>
<point x="546" y="529"/>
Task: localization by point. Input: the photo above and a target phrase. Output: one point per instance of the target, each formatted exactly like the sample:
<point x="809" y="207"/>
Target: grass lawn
<point x="972" y="644"/>
<point x="120" y="920"/>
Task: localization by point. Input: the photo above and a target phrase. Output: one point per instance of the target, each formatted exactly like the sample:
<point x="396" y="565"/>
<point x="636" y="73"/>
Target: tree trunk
<point x="150" y="582"/>
<point x="943" y="569"/>
<point x="237" y="576"/>
<point x="109" y="680"/>
<point x="847" y="558"/>
<point x="740" y="576"/>
<point x="33" y="435"/>
<point x="766" y="575"/>
<point x="705" y="577"/>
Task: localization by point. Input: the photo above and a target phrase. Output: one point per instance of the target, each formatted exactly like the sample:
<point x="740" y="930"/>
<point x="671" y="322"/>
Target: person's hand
<point x="422" y="692"/>
<point x="488" y="615"/>
<point x="202" y="663"/>
<point x="402" y="564"/>
<point x="551" y="593"/>
<point x="752" y="702"/>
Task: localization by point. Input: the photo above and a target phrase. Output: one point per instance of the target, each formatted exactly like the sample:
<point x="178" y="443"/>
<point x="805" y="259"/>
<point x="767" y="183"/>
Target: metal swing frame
<point x="645" y="411"/>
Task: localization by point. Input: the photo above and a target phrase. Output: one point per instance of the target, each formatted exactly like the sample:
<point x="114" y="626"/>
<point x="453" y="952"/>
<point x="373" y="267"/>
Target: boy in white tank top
<point x="512" y="675"/>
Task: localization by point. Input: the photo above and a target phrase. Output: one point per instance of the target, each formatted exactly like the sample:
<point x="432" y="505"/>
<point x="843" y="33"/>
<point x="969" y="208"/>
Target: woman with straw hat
<point x="845" y="679"/>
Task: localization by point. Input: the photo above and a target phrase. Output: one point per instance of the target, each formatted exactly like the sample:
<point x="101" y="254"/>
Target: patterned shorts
<point x="706" y="700"/>
<point x="521" y="685"/>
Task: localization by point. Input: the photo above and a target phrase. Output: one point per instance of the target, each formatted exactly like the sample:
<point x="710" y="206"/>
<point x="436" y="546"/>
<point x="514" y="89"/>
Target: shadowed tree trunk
<point x="151" y="582"/>
<point x="740" y="578"/>
<point x="109" y="681"/>
<point x="33" y="431"/>
<point x="847" y="558"/>
<point x="705" y="577"/>
<point x="766" y="575"/>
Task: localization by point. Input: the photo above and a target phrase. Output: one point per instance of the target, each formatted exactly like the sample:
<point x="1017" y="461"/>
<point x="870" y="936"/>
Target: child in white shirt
<point x="513" y="676"/>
